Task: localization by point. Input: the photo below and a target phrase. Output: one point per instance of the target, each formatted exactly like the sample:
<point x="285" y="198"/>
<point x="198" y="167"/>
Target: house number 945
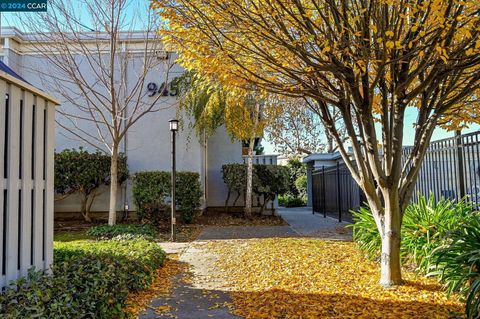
<point x="165" y="89"/>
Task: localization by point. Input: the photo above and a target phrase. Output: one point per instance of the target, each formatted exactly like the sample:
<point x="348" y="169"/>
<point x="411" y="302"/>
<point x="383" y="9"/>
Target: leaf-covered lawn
<point x="308" y="278"/>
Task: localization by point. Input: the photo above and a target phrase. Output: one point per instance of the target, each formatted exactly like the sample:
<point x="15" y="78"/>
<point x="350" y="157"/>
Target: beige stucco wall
<point x="148" y="141"/>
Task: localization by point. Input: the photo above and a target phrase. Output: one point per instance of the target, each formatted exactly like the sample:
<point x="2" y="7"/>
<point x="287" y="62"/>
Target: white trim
<point x="28" y="87"/>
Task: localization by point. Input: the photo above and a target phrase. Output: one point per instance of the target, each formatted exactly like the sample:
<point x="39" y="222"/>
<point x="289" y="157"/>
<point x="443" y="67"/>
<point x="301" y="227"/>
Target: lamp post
<point x="173" y="129"/>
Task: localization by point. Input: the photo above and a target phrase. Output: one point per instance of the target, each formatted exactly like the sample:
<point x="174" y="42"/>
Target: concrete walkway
<point x="246" y="232"/>
<point x="304" y="223"/>
<point x="197" y="293"/>
<point x="201" y="292"/>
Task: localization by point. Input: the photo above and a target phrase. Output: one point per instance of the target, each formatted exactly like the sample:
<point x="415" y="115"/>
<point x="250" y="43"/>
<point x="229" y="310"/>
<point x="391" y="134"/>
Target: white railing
<point x="27" y="120"/>
<point x="263" y="159"/>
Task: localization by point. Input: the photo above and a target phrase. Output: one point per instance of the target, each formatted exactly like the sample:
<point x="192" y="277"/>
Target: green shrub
<point x="268" y="180"/>
<point x="107" y="232"/>
<point x="440" y="238"/>
<point x="90" y="280"/>
<point x="81" y="172"/>
<point x="365" y="233"/>
<point x="151" y="190"/>
<point x="235" y="177"/>
<point x="39" y="296"/>
<point x="288" y="200"/>
<point x="271" y="180"/>
<point x="457" y="263"/>
<point x="301" y="186"/>
<point x="425" y="227"/>
<point x="188" y="195"/>
<point x="295" y="169"/>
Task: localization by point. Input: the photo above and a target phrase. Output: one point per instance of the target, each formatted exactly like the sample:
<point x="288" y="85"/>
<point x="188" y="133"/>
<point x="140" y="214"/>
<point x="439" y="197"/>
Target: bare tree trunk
<point x="112" y="211"/>
<point x="330" y="143"/>
<point x="226" y="201"/>
<point x="391" y="272"/>
<point x="248" y="196"/>
<point x="266" y="199"/>
<point x="83" y="210"/>
<point x="236" y="198"/>
<point x="89" y="203"/>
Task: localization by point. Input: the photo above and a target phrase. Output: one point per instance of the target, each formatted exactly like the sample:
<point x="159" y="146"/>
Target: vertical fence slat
<point x="324" y="208"/>
<point x="460" y="165"/>
<point x="467" y="164"/>
<point x="2" y="180"/>
<point x="39" y="186"/>
<point x="453" y="167"/>
<point x="12" y="235"/>
<point x="50" y="145"/>
<point x="26" y="183"/>
<point x="476" y="166"/>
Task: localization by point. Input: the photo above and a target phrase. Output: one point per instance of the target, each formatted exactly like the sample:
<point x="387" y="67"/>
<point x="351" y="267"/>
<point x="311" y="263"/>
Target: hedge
<point x="90" y="280"/>
<point x="268" y="180"/>
<point x="151" y="190"/>
<point x="81" y="172"/>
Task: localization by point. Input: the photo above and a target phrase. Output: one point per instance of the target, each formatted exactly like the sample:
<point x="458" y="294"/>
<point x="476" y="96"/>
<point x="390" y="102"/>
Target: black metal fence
<point x="335" y="192"/>
<point x="451" y="169"/>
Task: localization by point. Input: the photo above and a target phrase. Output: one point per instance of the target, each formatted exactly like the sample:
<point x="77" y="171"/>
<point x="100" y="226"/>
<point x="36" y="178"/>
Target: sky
<point x="135" y="7"/>
<point x="133" y="11"/>
<point x="410" y="118"/>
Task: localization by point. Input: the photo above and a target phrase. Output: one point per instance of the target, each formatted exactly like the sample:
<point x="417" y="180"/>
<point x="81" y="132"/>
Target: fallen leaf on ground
<point x="161" y="286"/>
<point x="310" y="278"/>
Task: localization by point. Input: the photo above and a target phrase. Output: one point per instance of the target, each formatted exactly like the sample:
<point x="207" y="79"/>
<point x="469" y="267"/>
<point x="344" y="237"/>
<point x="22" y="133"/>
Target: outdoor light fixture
<point x="173" y="129"/>
<point x="173" y="125"/>
<point x="162" y="54"/>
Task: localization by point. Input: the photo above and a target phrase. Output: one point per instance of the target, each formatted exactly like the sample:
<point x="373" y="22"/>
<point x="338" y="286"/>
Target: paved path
<point x="201" y="293"/>
<point x="246" y="232"/>
<point x="304" y="223"/>
<point x="197" y="294"/>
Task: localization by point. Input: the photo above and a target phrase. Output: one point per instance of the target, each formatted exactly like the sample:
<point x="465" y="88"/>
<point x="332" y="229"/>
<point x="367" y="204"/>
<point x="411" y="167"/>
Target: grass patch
<point x="69" y="236"/>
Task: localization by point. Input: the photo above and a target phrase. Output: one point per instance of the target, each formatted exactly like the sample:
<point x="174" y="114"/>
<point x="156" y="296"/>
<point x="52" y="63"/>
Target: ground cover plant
<point x="288" y="200"/>
<point x="457" y="263"/>
<point x="91" y="279"/>
<point x="312" y="278"/>
<point x="426" y="227"/>
<point x="439" y="238"/>
<point x="145" y="231"/>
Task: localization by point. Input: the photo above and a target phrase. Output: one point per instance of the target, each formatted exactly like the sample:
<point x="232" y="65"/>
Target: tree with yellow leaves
<point x="243" y="112"/>
<point x="371" y="60"/>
